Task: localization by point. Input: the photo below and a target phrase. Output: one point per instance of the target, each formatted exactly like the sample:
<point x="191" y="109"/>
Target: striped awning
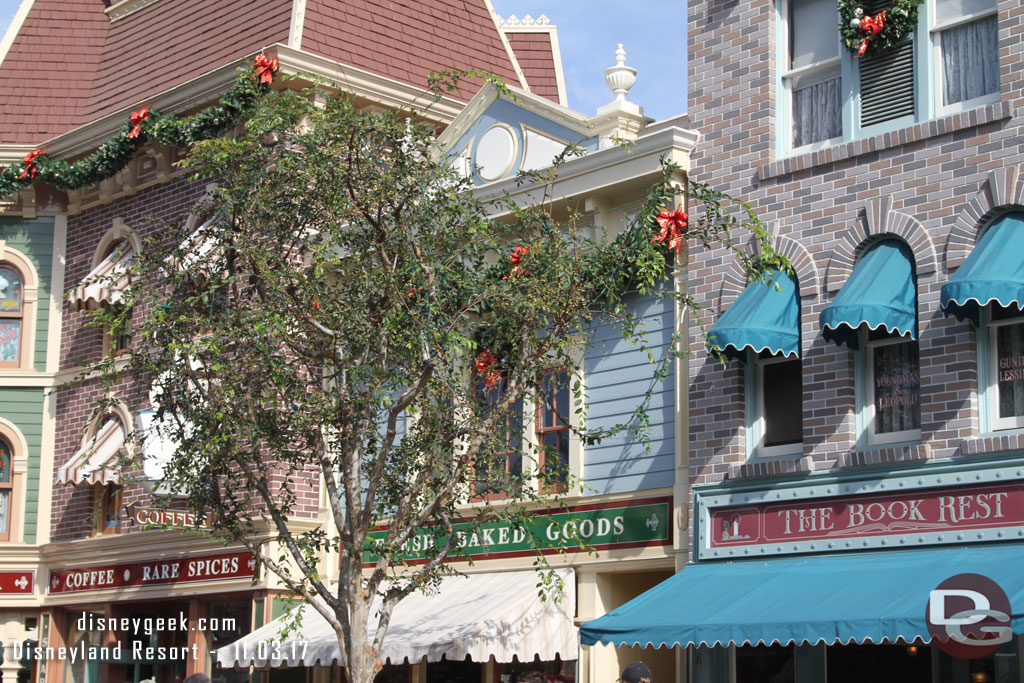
<point x="105" y="284"/>
<point x="96" y="462"/>
<point x="497" y="614"/>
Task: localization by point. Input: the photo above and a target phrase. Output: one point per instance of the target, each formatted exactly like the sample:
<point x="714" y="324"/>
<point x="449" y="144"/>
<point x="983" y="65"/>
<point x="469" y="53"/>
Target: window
<point x="6" y="490"/>
<point x="553" y="430"/>
<point x="11" y="316"/>
<point x="965" y="40"/>
<point x="893" y="388"/>
<point x="1006" y="367"/>
<point x="830" y="96"/>
<point x="503" y="467"/>
<point x="108" y="509"/>
<point x="777" y="423"/>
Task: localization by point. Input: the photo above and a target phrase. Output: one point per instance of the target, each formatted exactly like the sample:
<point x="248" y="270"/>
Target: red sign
<point x="17" y="583"/>
<point x="928" y="510"/>
<point x="154" y="573"/>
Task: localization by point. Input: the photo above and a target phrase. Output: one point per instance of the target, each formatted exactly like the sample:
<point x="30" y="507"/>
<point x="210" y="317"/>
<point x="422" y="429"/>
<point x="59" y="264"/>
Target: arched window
<point x="12" y="313"/>
<point x="6" y="489"/>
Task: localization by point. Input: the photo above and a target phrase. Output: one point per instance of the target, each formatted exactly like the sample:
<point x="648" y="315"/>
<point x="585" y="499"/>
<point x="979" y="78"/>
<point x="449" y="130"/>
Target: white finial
<point x="620" y="78"/>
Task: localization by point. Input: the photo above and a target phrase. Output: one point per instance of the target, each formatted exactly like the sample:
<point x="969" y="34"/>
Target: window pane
<point x="970" y="60"/>
<point x="773" y="663"/>
<point x="1010" y="359"/>
<point x="10" y="339"/>
<point x="950" y="10"/>
<point x="812" y="31"/>
<point x="897" y="384"/>
<point x="817" y="111"/>
<point x="5" y="463"/>
<point x="883" y="662"/>
<point x="5" y="509"/>
<point x="783" y="407"/>
<point x="10" y="291"/>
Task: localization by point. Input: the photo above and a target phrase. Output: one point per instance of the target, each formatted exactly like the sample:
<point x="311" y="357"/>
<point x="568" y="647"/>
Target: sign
<point x="974" y="601"/>
<point x="949" y="509"/>
<point x="154" y="573"/>
<point x="17" y="583"/>
<point x="156" y="517"/>
<point x="633" y="524"/>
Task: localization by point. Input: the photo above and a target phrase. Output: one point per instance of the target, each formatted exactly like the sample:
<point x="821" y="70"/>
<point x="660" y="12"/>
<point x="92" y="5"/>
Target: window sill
<point x="885" y="455"/>
<point x="994" y="442"/>
<point x="919" y="131"/>
<point x="770" y="468"/>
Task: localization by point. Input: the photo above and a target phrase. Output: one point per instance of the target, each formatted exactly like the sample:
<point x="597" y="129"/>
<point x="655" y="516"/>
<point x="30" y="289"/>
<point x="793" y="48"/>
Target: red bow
<point x="30" y="165"/>
<point x="873" y="24"/>
<point x="673" y="224"/>
<point x="265" y="68"/>
<point x="484" y="362"/>
<point x="514" y="258"/>
<point x="136" y="119"/>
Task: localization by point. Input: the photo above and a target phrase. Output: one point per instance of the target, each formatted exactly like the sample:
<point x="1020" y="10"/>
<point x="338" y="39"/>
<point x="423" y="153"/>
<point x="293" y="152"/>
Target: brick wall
<point x="147" y="213"/>
<point x="932" y="184"/>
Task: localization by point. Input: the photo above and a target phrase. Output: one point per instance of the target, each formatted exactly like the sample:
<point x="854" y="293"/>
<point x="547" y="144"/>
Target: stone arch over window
<point x="878" y="221"/>
<point x="19" y="299"/>
<point x="1001" y="192"/>
<point x="13" y="480"/>
<point x="735" y="279"/>
<point x="118" y="232"/>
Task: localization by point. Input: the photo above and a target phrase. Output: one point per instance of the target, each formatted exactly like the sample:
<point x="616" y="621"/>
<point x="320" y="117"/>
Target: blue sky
<point x="653" y="33"/>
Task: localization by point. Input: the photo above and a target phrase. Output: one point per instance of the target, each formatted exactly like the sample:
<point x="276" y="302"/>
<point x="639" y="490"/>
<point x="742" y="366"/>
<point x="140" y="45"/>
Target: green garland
<point x="900" y="19"/>
<point x="114" y="154"/>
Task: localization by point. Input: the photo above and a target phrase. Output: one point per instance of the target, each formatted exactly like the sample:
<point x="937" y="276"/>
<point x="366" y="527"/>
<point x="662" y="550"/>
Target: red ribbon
<point x="514" y="258"/>
<point x="873" y="24"/>
<point x="30" y="165"/>
<point x="673" y="227"/>
<point x="265" y="68"/>
<point x="136" y="120"/>
<point x="484" y="363"/>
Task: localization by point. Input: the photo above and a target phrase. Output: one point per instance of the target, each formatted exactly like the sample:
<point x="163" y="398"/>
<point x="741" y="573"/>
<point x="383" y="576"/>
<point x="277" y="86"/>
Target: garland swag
<point x="143" y="126"/>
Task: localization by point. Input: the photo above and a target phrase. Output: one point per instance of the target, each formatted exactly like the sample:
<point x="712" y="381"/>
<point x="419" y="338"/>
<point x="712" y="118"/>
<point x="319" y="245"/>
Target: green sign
<point x="616" y="524"/>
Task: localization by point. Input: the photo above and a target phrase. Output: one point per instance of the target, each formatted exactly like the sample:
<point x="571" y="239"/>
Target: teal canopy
<point x="881" y="292"/>
<point x="993" y="273"/>
<point x="766" y="316"/>
<point x="840" y="598"/>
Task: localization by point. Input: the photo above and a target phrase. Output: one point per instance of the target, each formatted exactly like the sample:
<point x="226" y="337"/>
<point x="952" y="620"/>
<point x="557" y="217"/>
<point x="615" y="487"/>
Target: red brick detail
<point x="535" y="55"/>
<point x="406" y="40"/>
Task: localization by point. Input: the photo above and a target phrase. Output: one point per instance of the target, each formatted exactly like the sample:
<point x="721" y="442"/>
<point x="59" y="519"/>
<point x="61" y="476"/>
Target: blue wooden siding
<point x="617" y="376"/>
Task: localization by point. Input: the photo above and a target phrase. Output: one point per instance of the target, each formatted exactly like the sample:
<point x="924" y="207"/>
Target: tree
<point x="350" y="317"/>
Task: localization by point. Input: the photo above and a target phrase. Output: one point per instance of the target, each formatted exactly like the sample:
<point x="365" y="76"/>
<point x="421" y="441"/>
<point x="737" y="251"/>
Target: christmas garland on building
<point x="143" y="126"/>
<point x="865" y="34"/>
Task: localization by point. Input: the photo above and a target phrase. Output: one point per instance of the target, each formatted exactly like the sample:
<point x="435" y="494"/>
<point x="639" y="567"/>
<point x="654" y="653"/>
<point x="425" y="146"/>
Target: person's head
<point x="637" y="672"/>
<point x="198" y="678"/>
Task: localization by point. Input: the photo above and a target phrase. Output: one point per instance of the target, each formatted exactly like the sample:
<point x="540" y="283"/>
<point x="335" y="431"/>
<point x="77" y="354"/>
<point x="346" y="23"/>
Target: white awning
<point x="498" y="613"/>
<point x="106" y="282"/>
<point x="96" y="462"/>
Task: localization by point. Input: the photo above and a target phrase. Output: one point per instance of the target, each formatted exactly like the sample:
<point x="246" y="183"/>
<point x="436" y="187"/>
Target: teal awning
<point x="881" y="292"/>
<point x="993" y="273"/>
<point x="844" y="598"/>
<point x="766" y="316"/>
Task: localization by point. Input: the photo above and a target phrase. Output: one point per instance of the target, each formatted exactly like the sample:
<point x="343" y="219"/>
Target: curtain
<point x="970" y="60"/>
<point x="897" y="388"/>
<point x="817" y="112"/>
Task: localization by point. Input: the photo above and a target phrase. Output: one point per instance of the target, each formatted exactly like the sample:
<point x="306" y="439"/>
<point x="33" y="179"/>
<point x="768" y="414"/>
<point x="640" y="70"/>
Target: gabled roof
<point x="70" y="64"/>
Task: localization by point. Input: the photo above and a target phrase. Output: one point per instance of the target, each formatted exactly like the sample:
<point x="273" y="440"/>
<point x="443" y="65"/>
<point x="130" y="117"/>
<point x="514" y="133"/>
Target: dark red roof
<point x="537" y="60"/>
<point x="407" y="39"/>
<point x="70" y="65"/>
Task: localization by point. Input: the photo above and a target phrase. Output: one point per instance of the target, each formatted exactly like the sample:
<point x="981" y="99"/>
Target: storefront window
<point x="445" y="671"/>
<point x="858" y="663"/>
<point x="1007" y="359"/>
<point x="82" y="670"/>
<point x="227" y="622"/>
<point x="771" y="664"/>
<point x="894" y="387"/>
<point x="538" y="671"/>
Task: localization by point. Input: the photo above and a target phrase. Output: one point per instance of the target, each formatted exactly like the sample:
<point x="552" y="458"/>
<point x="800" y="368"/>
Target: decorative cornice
<point x="527" y="22"/>
<point x="124" y="8"/>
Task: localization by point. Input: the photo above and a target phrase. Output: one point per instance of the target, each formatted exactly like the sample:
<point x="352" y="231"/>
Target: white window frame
<point x="935" y="30"/>
<point x="788" y="76"/>
<point x="868" y="379"/>
<point x="991" y="375"/>
<point x="757" y="450"/>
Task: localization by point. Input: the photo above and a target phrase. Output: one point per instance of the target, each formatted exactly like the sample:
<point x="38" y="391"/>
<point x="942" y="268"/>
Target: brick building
<point x="73" y="541"/>
<point x="878" y="379"/>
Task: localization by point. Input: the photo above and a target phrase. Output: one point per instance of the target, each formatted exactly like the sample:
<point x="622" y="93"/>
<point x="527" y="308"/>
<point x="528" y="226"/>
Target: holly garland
<point x="143" y="126"/>
<point x="866" y="34"/>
